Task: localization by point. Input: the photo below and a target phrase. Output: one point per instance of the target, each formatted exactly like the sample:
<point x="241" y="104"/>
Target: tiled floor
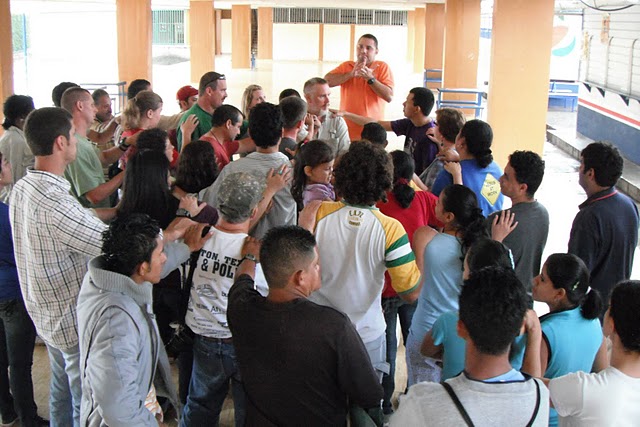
<point x="559" y="192"/>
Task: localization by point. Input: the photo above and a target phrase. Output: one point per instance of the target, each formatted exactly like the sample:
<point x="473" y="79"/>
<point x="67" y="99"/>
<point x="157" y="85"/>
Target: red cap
<point x="185" y="92"/>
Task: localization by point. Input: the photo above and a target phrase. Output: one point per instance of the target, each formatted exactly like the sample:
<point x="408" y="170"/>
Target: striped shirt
<point x="356" y="245"/>
<point x="54" y="237"/>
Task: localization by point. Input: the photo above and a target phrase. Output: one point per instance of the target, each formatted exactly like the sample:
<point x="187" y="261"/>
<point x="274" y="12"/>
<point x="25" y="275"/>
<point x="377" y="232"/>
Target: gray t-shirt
<point x="284" y="208"/>
<point x="528" y="239"/>
<point x="488" y="404"/>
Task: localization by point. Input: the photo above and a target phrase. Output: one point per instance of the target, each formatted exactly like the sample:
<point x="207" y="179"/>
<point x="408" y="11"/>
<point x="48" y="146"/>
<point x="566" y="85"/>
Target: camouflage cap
<point x="238" y="195"/>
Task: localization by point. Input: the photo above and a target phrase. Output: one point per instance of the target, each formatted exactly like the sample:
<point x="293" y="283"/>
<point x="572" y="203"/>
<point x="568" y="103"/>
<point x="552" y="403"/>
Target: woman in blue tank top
<point x="439" y="257"/>
<point x="572" y="337"/>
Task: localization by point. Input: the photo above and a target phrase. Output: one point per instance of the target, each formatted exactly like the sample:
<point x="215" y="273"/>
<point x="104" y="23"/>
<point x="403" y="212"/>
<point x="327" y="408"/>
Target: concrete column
<point x="6" y="52"/>
<point x="411" y="34"/>
<point x="265" y="33"/>
<point x="134" y="35"/>
<point x="352" y="40"/>
<point x="419" y="43"/>
<point x="202" y="37"/>
<point x="241" y="33"/>
<point x="434" y="38"/>
<point x="321" y="42"/>
<point x="461" y="43"/>
<point x="519" y="78"/>
<point x="218" y="32"/>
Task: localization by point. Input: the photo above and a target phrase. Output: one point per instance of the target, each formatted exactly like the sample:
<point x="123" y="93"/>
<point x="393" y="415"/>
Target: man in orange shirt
<point x="365" y="85"/>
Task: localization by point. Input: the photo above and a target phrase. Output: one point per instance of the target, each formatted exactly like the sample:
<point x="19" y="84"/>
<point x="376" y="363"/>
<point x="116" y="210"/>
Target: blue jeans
<point x="17" y="339"/>
<point x="393" y="308"/>
<point x="214" y="366"/>
<point x="65" y="389"/>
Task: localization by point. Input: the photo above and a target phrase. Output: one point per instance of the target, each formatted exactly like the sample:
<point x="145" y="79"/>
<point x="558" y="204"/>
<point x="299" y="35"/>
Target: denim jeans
<point x="393" y="308"/>
<point x="214" y="366"/>
<point x="17" y="340"/>
<point x="65" y="389"/>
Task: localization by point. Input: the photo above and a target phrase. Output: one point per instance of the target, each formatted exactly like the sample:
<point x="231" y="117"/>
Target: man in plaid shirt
<point x="54" y="238"/>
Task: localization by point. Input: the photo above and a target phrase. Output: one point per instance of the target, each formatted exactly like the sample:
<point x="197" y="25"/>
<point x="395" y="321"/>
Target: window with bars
<point x="168" y="27"/>
<point x="298" y="15"/>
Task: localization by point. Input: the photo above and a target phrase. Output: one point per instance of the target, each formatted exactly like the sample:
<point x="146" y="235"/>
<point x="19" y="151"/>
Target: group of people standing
<point x="281" y="274"/>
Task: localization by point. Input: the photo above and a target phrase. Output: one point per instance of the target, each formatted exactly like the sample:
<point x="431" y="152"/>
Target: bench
<point x="565" y="93"/>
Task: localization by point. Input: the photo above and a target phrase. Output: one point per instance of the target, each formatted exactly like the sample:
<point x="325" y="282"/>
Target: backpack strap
<point x="456" y="401"/>
<point x="537" y="408"/>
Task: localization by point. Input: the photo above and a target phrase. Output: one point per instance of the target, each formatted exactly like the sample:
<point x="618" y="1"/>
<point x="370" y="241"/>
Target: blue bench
<point x="563" y="93"/>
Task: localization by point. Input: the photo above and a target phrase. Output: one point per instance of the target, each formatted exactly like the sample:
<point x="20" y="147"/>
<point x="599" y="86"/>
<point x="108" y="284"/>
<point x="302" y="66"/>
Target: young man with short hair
<point x="302" y="363"/>
<point x="521" y="178"/>
<point x="294" y="112"/>
<point x="604" y="233"/>
<point x="416" y="126"/>
<point x="122" y="355"/>
<point x="265" y="126"/>
<point x="86" y="173"/>
<point x="489" y="391"/>
<point x="226" y="122"/>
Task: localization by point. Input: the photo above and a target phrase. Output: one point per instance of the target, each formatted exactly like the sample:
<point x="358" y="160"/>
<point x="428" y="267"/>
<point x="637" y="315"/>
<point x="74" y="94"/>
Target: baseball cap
<point x="185" y="92"/>
<point x="238" y="195"/>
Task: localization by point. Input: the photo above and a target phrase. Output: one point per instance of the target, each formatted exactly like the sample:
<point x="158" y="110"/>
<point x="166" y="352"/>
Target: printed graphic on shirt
<point x="490" y="189"/>
<point x="355" y="217"/>
<point x="212" y="279"/>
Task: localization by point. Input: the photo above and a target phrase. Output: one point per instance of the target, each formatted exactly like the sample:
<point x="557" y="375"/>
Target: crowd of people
<point x="270" y="250"/>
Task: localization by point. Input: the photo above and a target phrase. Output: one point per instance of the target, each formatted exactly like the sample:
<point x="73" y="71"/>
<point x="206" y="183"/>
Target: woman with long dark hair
<point x="477" y="169"/>
<point x="414" y="209"/>
<point x="439" y="256"/>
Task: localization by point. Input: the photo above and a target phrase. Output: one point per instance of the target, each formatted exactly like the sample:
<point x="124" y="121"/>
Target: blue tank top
<point x="441" y="283"/>
<point x="573" y="344"/>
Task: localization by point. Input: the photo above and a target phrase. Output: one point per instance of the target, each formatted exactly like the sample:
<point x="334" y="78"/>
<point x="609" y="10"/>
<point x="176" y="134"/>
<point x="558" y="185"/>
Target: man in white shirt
<point x="332" y="129"/>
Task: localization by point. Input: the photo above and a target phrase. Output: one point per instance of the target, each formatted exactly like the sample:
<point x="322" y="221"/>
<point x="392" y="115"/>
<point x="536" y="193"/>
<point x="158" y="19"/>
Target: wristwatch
<point x="183" y="212"/>
<point x="250" y="257"/>
<point x="371" y="81"/>
<point x="123" y="144"/>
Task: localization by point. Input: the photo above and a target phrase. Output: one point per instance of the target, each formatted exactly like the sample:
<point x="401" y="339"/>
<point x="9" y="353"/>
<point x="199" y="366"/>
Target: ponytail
<point x="403" y="193"/>
<point x="478" y="137"/>
<point x="403" y="169"/>
<point x="463" y="204"/>
<point x="570" y="273"/>
<point x="137" y="106"/>
<point x="131" y="115"/>
<point x="591" y="305"/>
<point x="474" y="230"/>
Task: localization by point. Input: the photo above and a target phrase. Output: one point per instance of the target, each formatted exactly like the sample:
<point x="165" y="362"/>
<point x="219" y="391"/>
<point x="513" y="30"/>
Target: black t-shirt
<point x="301" y="363"/>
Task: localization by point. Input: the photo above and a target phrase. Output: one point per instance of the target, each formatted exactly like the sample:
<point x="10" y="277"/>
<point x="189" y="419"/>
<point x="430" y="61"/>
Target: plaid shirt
<point x="53" y="237"/>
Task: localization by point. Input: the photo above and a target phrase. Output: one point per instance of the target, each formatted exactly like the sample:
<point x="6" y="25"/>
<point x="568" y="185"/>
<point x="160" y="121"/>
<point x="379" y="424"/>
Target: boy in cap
<point x="186" y="97"/>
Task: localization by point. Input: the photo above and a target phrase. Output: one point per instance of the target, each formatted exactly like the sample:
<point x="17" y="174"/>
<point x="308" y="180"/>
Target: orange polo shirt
<point x="356" y="96"/>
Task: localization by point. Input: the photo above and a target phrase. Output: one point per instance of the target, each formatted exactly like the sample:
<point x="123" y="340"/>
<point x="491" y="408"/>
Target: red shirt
<point x="223" y="152"/>
<point x="421" y="212"/>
